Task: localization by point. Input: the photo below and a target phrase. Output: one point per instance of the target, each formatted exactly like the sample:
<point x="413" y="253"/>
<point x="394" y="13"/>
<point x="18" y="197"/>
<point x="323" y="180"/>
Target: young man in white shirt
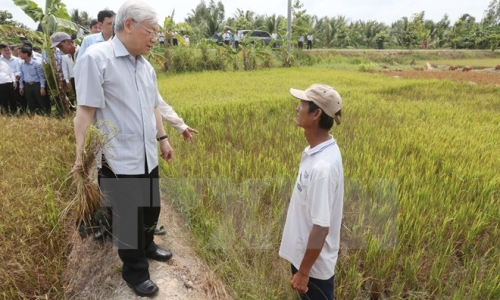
<point x="105" y="19"/>
<point x="309" y="41"/>
<point x="300" y="43"/>
<point x="311" y="236"/>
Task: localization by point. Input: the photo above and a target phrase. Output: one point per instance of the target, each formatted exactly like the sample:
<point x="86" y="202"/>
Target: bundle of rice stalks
<point x="88" y="195"/>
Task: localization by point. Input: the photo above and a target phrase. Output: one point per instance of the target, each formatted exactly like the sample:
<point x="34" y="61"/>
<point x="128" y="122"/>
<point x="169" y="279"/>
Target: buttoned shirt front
<point x="124" y="91"/>
<point x="31" y="71"/>
<point x="13" y="63"/>
<point x="6" y="74"/>
<point x="68" y="63"/>
<point x="89" y="41"/>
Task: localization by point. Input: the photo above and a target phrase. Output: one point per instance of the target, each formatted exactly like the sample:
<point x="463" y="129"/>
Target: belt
<point x="31" y="82"/>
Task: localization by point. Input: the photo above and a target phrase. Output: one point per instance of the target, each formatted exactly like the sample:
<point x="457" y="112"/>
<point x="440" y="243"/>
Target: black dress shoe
<point x="160" y="254"/>
<point x="145" y="289"/>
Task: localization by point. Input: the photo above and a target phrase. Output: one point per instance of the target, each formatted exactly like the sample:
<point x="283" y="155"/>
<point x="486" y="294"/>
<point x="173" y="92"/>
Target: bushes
<point x="207" y="55"/>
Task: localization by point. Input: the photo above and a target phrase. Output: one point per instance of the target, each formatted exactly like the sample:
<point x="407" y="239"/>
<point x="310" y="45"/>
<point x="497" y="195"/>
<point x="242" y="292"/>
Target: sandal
<point x="159" y="230"/>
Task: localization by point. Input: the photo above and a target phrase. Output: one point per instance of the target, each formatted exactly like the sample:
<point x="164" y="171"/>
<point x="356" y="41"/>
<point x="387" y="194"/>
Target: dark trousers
<point x="318" y="289"/>
<point x="309" y="45"/>
<point x="73" y="86"/>
<point x="236" y="44"/>
<point x="135" y="201"/>
<point x="36" y="102"/>
<point x="8" y="98"/>
<point x="300" y="45"/>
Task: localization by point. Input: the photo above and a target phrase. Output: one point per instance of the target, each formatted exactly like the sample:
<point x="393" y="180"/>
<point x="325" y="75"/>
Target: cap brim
<point x="337" y="120"/>
<point x="54" y="44"/>
<point x="299" y="94"/>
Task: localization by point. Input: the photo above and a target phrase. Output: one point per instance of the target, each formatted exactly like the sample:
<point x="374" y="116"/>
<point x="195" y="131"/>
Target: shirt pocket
<point x="130" y="147"/>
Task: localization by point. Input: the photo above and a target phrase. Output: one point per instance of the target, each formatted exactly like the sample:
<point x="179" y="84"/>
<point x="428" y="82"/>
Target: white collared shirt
<point x="317" y="199"/>
<point x="13" y="63"/>
<point x="125" y="93"/>
<point x="6" y="73"/>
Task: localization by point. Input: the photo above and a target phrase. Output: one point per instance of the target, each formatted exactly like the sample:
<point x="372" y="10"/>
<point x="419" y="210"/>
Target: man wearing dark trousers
<point x="117" y="91"/>
<point x="16" y="102"/>
<point x="32" y="83"/>
<point x="8" y="86"/>
<point x="311" y="237"/>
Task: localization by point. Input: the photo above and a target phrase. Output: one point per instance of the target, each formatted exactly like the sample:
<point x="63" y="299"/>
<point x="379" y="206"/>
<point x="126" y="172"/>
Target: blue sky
<point x="386" y="11"/>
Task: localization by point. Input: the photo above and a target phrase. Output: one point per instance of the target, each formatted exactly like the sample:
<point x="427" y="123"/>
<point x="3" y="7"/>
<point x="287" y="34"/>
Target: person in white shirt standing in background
<point x="309" y="41"/>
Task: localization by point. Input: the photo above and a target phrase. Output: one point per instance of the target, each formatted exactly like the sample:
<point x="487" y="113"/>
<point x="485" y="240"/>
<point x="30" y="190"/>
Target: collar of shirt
<point x="121" y="51"/>
<point x="328" y="143"/>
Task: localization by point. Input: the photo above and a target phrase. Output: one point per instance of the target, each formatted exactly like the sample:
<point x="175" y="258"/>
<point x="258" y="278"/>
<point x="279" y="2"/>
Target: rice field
<point x="422" y="211"/>
<point x="422" y="191"/>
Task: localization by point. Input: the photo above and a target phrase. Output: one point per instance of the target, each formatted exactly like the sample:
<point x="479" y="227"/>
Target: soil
<point x="94" y="268"/>
<point x="488" y="76"/>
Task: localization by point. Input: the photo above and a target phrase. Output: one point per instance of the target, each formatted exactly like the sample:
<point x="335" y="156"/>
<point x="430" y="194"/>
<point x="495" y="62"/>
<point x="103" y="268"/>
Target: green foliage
<point x="80" y="17"/>
<point x="5" y="17"/>
<point x="300" y="20"/>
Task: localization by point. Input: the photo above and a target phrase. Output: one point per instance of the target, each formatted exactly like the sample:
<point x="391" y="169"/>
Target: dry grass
<point x="88" y="196"/>
<point x="36" y="155"/>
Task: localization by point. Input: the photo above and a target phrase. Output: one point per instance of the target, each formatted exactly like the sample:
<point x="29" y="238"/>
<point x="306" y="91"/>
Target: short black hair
<point x="93" y="23"/>
<point x="3" y="46"/>
<point x="26" y="50"/>
<point x="325" y="121"/>
<point x="12" y="47"/>
<point x="36" y="48"/>
<point x="27" y="43"/>
<point x="103" y="14"/>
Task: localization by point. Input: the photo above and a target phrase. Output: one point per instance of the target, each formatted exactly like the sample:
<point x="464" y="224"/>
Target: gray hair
<point x="136" y="10"/>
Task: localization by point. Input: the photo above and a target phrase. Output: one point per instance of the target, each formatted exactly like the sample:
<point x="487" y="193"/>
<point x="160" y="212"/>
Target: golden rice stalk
<point x="88" y="195"/>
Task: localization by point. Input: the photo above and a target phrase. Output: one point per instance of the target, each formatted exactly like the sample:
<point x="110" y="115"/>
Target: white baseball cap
<point x="324" y="96"/>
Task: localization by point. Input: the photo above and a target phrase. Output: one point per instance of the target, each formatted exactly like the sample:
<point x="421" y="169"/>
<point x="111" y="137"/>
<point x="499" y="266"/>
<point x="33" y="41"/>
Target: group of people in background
<point x="300" y="42"/>
<point x="22" y="80"/>
<point x="170" y="39"/>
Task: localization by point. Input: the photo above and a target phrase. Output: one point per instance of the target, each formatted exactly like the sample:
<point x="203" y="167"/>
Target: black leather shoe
<point x="145" y="289"/>
<point x="160" y="254"/>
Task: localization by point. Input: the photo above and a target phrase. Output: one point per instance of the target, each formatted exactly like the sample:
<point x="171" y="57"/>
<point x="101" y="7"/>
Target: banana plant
<point x="53" y="18"/>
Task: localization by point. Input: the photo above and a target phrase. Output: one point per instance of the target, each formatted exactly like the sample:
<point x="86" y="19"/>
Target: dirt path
<point x="93" y="270"/>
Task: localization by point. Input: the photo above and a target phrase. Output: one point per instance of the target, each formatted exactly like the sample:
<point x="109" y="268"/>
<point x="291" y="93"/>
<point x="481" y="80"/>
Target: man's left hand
<point x="167" y="153"/>
<point x="299" y="282"/>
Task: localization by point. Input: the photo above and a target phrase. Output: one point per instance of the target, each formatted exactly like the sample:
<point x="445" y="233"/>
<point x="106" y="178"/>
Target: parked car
<point x="255" y="35"/>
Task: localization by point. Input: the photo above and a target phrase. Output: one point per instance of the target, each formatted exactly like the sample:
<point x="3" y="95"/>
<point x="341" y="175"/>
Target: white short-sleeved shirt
<point x="317" y="199"/>
<point x="124" y="91"/>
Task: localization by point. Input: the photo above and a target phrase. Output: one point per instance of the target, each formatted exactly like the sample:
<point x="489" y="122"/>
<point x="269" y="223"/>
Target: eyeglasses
<point x="152" y="33"/>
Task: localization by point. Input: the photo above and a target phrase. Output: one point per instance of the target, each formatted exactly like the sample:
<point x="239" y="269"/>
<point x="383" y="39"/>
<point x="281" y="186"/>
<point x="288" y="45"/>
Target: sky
<point x="386" y="11"/>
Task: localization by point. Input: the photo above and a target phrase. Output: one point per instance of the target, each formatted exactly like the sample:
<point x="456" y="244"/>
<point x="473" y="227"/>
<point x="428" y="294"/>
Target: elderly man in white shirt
<point x="117" y="92"/>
